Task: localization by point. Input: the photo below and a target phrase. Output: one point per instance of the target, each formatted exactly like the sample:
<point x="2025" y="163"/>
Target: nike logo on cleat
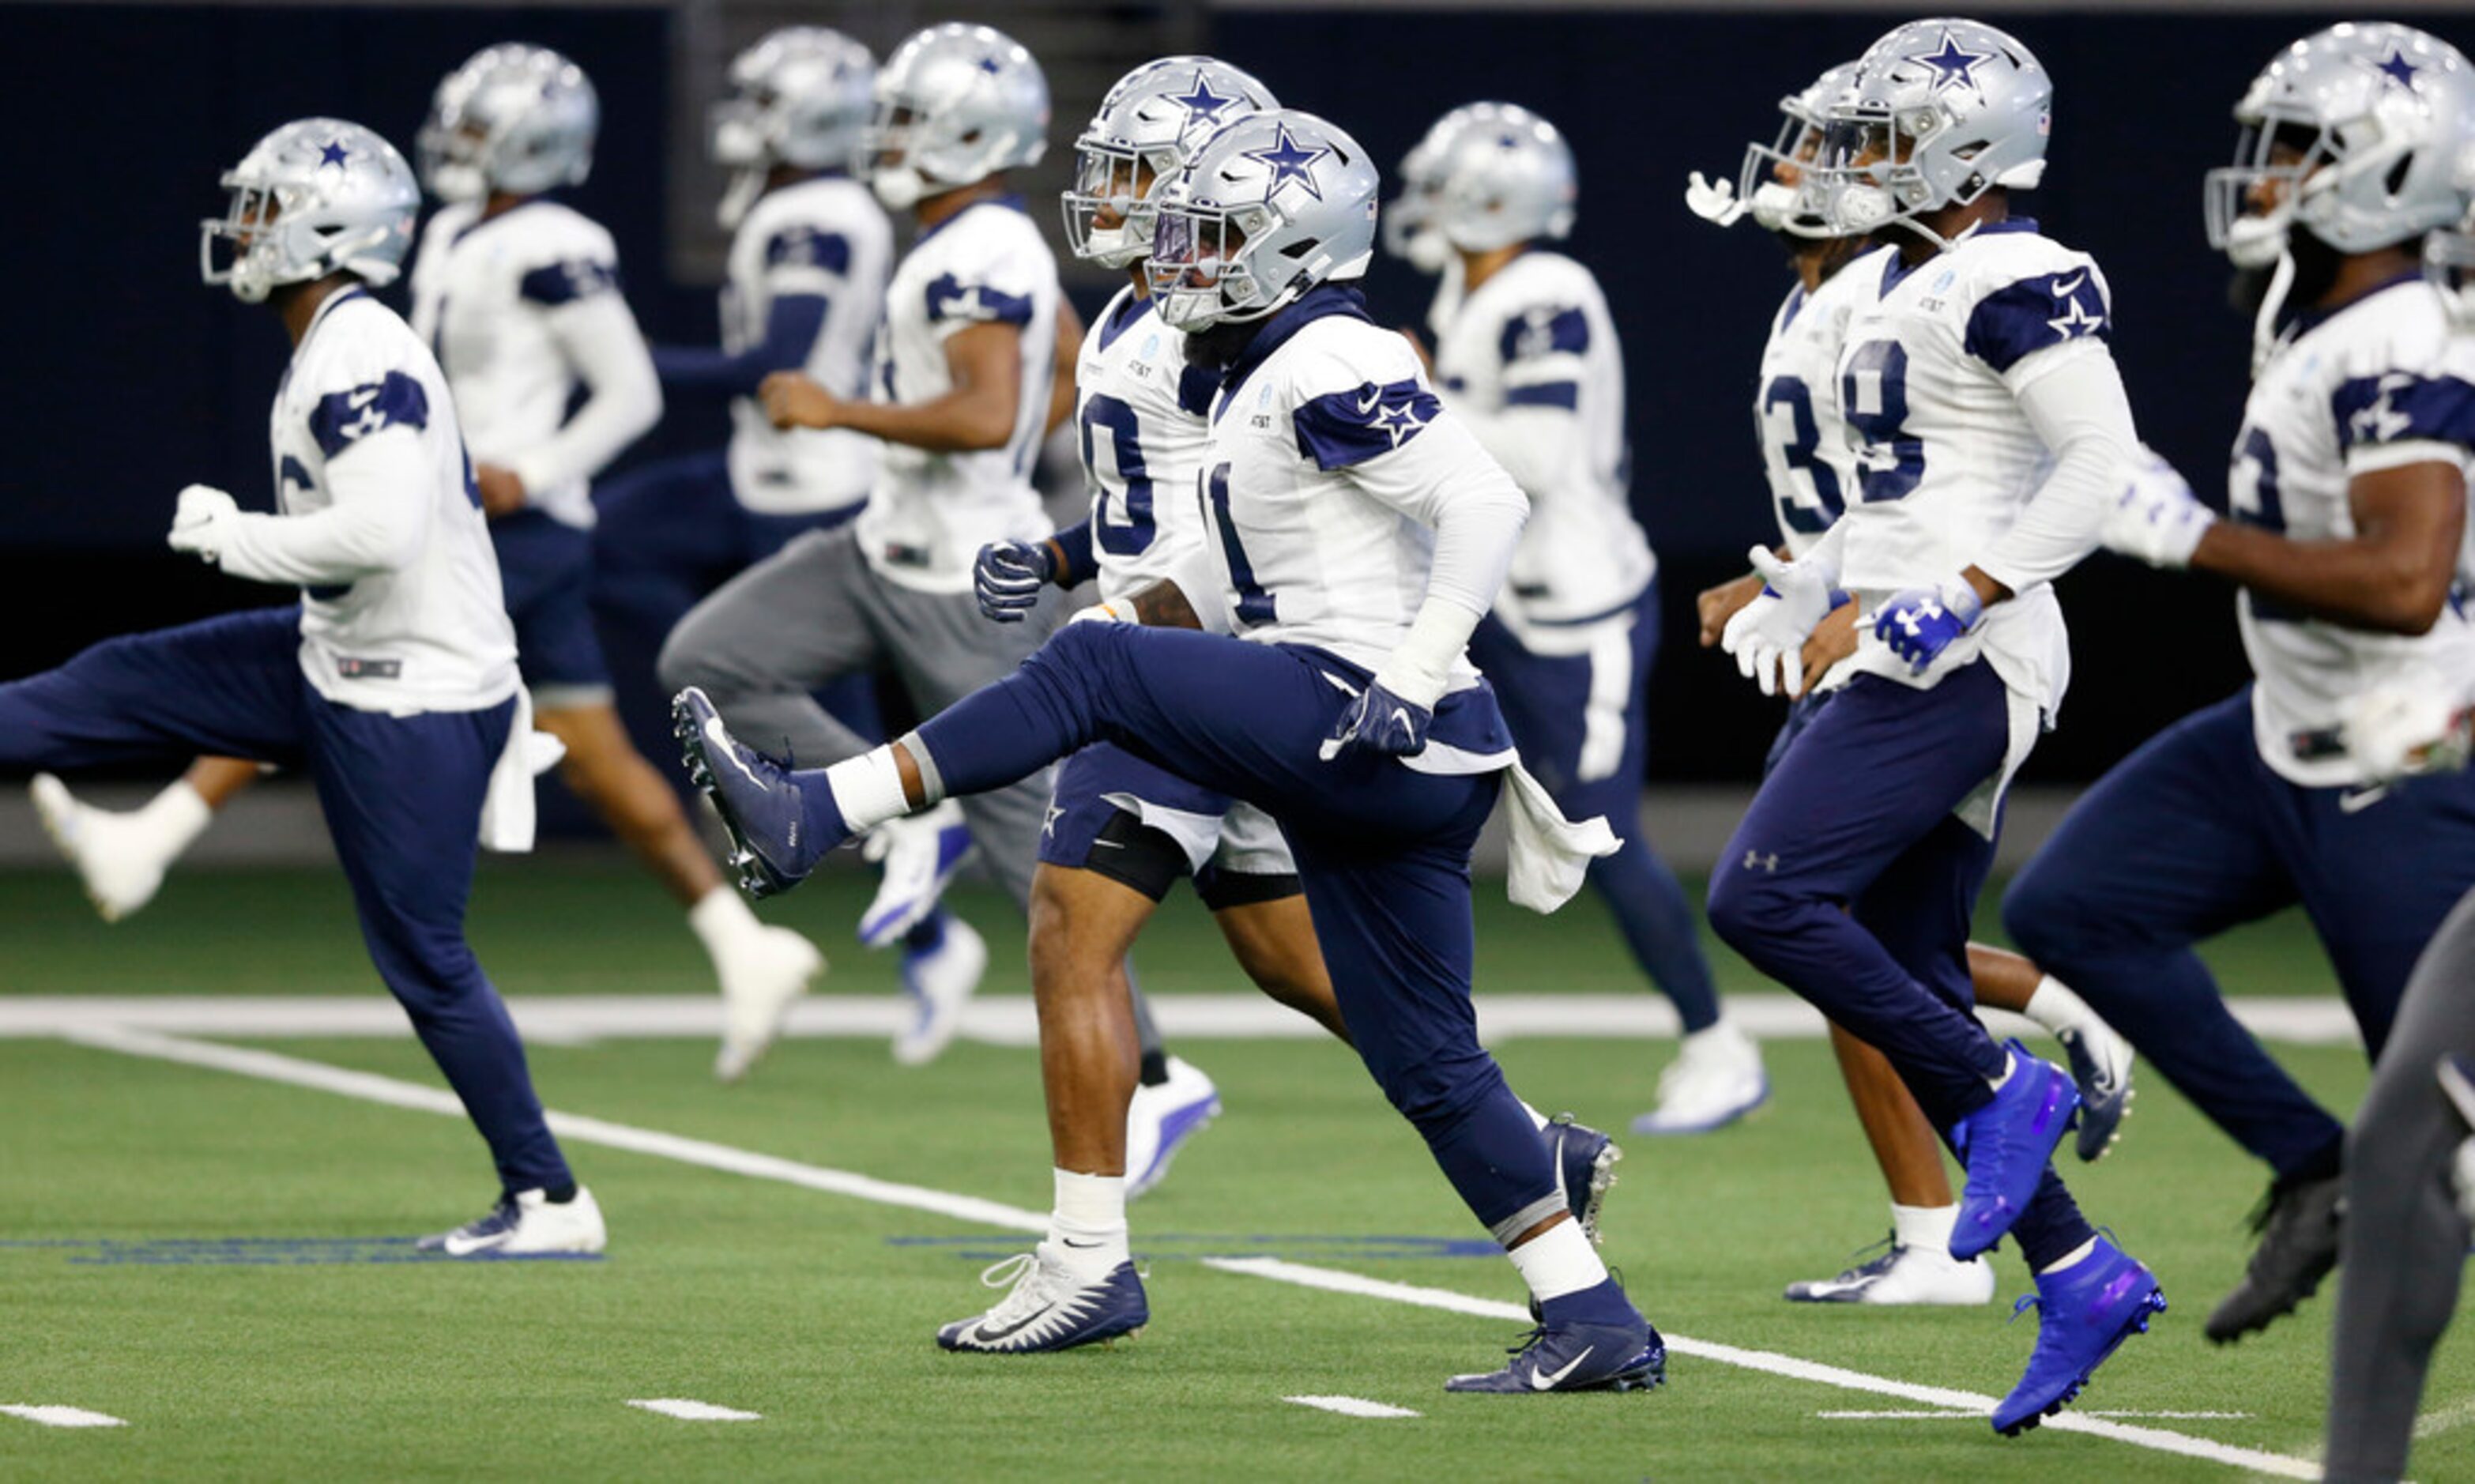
<point x="987" y="1336"/>
<point x="719" y="738"/>
<point x="1549" y="1380"/>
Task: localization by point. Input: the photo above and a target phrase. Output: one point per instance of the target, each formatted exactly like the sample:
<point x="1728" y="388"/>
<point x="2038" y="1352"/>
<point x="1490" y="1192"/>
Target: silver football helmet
<point x="2353" y="131"/>
<point x="1260" y="213"/>
<point x="1409" y="229"/>
<point x="954" y="105"/>
<point x="1148" y="122"/>
<point x="1504" y="176"/>
<point x="514" y="118"/>
<point x="799" y="97"/>
<point x="315" y="197"/>
<point x="1941" y="112"/>
<point x="1775" y="182"/>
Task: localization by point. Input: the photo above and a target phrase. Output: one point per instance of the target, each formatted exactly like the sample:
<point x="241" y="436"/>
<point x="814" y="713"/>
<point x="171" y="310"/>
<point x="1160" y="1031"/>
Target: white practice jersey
<point x="1808" y="454"/>
<point x="1319" y="448"/>
<point x="1140" y="411"/>
<point x="2378" y="384"/>
<point x="1531" y="361"/>
<point x="489" y="299"/>
<point x="1929" y="378"/>
<point x="432" y="634"/>
<point x="829" y="238"/>
<point x="930" y="513"/>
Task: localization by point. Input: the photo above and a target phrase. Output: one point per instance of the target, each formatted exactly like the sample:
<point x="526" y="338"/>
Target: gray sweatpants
<point x="2404" y="1241"/>
<point x="816" y="611"/>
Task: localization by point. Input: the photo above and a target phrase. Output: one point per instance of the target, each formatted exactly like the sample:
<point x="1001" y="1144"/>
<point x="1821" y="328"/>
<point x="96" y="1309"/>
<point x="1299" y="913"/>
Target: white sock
<point x="1559" y="1261"/>
<point x="1088" y="1221"/>
<point x="867" y="789"/>
<point x="1924" y="1228"/>
<point x="2069" y="1257"/>
<point x="722" y="921"/>
<point x="1536" y="1117"/>
<point x="2010" y="1065"/>
<point x="175" y="817"/>
<point x="2055" y="1008"/>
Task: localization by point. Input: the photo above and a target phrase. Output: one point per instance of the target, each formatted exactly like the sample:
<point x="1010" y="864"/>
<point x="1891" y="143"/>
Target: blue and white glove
<point x="2157" y="519"/>
<point x="1381" y="723"/>
<point x="1919" y="624"/>
<point x="1767" y="635"/>
<point x="1008" y="576"/>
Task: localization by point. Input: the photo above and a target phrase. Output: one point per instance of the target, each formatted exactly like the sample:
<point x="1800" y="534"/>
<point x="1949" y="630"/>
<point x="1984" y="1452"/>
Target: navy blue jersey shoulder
<point x="342" y="418"/>
<point x="2034" y="313"/>
<point x="950" y="298"/>
<point x="1544" y="329"/>
<point x="1367" y="421"/>
<point x="2402" y="406"/>
<point x="804" y="246"/>
<point x="552" y="284"/>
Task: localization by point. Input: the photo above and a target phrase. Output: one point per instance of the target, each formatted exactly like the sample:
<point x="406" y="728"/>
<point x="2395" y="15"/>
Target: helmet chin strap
<point x="2264" y="323"/>
<point x="747" y="184"/>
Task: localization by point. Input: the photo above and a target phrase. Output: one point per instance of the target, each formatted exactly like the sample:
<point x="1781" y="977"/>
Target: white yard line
<point x="371" y="1088"/>
<point x="687" y="1411"/>
<point x="1351" y="1407"/>
<point x="64" y="1416"/>
<point x="1004" y="1020"/>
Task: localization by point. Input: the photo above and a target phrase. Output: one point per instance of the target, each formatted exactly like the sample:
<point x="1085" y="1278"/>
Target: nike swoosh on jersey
<point x="1549" y="1380"/>
<point x="2066" y="290"/>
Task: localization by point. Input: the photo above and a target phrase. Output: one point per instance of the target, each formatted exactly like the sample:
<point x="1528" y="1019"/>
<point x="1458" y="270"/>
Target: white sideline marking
<point x="1351" y="1407"/>
<point x="687" y="1411"/>
<point x="1974" y="1417"/>
<point x="387" y="1091"/>
<point x="1002" y="1020"/>
<point x="64" y="1416"/>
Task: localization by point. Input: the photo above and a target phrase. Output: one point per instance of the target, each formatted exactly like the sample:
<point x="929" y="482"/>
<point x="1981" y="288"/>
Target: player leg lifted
<point x="1527" y="354"/>
<point x="393" y="682"/>
<point x="1993" y="434"/>
<point x="1343" y="707"/>
<point x="2348" y="500"/>
<point x="1810" y="462"/>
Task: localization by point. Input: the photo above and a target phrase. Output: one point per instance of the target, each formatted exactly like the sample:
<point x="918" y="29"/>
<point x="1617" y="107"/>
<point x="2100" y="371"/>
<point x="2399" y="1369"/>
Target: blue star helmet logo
<point x="990" y="65"/>
<point x="1290" y="161"/>
<point x="1953" y="65"/>
<point x="333" y="153"/>
<point x="1203" y="104"/>
<point x="2396" y="68"/>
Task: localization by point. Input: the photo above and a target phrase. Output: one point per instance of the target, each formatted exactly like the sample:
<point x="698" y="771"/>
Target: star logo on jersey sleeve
<point x="1953" y="65"/>
<point x="1202" y="106"/>
<point x="1289" y="160"/>
<point x="1398" y="422"/>
<point x="2382" y="421"/>
<point x="2075" y="321"/>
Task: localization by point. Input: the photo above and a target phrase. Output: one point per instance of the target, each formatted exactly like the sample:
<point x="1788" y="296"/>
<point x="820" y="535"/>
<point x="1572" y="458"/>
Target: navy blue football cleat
<point x="773" y="842"/>
<point x="1050" y="1308"/>
<point x="1586" y="1167"/>
<point x="2008" y="1143"/>
<point x="2084" y="1313"/>
<point x="1609" y="1346"/>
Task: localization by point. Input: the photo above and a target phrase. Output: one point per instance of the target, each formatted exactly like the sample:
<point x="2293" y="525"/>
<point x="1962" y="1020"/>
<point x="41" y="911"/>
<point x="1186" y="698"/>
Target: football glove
<point x="1713" y="201"/>
<point x="1008" y="576"/>
<point x="1919" y="624"/>
<point x="201" y="523"/>
<point x="1380" y="722"/>
<point x="2408" y="726"/>
<point x="2157" y="519"/>
<point x="1100" y="613"/>
<point x="1767" y="635"/>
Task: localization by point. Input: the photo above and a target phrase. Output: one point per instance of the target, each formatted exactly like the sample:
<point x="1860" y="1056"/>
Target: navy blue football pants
<point x="403" y="800"/>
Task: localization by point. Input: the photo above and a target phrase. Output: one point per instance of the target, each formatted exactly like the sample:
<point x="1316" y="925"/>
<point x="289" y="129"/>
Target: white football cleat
<point x="939" y="982"/>
<point x="1161" y="1119"/>
<point x="526" y="1225"/>
<point x="1904" y="1276"/>
<point x="760" y="976"/>
<point x="1716" y="1078"/>
<point x="117" y="856"/>
<point x="918" y="855"/>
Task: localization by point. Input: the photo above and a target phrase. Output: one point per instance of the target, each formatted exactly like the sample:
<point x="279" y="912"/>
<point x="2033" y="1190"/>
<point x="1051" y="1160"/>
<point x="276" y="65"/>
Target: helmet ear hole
<point x="2396" y="179"/>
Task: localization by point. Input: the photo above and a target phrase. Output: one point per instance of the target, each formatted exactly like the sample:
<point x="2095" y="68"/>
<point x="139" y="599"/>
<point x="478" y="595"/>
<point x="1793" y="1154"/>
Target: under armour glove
<point x="1767" y="635"/>
<point x="2157" y="517"/>
<point x="1380" y="722"/>
<point x="1008" y="576"/>
<point x="1919" y="624"/>
<point x="202" y="522"/>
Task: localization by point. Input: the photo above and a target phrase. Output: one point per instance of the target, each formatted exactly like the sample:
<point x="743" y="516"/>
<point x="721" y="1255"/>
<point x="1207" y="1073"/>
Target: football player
<point x="1811" y="465"/>
<point x="393" y="681"/>
<point x="2347" y="540"/>
<point x="1527" y="356"/>
<point x="518" y="295"/>
<point x="1993" y="435"/>
<point x="1358" y="533"/>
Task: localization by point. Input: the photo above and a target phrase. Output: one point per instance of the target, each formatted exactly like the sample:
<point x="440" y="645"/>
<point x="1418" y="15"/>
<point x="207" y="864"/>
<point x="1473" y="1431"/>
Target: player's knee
<point x="688" y="659"/>
<point x="2040" y="899"/>
<point x="1749" y="906"/>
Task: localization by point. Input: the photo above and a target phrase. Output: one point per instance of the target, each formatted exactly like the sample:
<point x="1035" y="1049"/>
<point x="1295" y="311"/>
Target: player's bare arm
<point x="984" y="363"/>
<point x="1069" y="346"/>
<point x="2393" y="575"/>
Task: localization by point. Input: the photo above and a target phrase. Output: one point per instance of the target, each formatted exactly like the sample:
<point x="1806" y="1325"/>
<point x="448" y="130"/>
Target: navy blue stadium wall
<point x="129" y="378"/>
